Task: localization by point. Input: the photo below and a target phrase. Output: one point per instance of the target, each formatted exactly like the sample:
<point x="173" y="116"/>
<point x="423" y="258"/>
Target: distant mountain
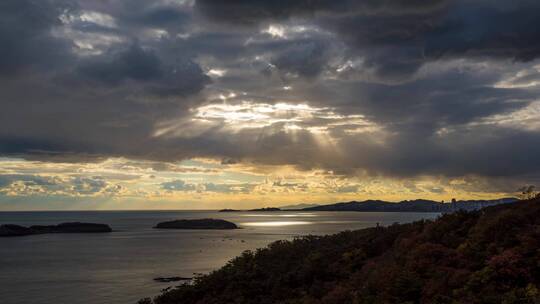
<point x="266" y="209"/>
<point x="229" y="210"/>
<point x="419" y="205"/>
<point x="298" y="206"/>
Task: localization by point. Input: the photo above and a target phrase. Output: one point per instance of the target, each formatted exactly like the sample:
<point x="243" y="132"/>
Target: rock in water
<point x="197" y="224"/>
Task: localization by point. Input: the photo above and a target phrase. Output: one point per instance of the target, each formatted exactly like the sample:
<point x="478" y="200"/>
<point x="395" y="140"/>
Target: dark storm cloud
<point x="305" y="59"/>
<point x="389" y="34"/>
<point x="506" y="29"/>
<point x="450" y="100"/>
<point x="25" y="35"/>
<point x="249" y="12"/>
<point x="184" y="77"/>
<point x="85" y="80"/>
<point x="428" y="121"/>
<point x="397" y="37"/>
<point x="141" y="13"/>
<point x="133" y="63"/>
<point x="161" y="17"/>
<point x="59" y="104"/>
<point x="483" y="151"/>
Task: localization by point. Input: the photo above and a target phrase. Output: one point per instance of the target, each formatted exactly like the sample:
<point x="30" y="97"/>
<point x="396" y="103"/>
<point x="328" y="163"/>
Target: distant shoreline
<point x="315" y="207"/>
<point x="418" y="205"/>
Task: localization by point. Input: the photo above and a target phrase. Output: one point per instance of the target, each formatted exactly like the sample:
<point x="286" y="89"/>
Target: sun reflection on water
<point x="281" y="215"/>
<point x="276" y="223"/>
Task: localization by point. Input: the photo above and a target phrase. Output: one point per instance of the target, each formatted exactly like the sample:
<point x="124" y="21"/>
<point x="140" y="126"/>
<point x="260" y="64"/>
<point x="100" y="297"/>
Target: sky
<point x="208" y="104"/>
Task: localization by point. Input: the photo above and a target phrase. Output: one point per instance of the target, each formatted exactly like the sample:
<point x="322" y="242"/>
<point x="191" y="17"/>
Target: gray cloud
<point x="160" y="16"/>
<point x="249" y="12"/>
<point x="305" y="59"/>
<point x="27" y="184"/>
<point x="86" y="80"/>
<point x="8" y="179"/>
<point x="180" y="185"/>
<point x="145" y="67"/>
<point x="26" y="38"/>
<point x="398" y="37"/>
<point x="84" y="185"/>
<point x="133" y="63"/>
<point x="83" y="106"/>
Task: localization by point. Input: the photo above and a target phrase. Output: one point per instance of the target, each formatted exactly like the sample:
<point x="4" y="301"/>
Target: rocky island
<point x="197" y="224"/>
<point x="76" y="227"/>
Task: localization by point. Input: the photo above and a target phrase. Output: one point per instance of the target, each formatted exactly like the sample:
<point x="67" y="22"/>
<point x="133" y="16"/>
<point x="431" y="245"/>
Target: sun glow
<point x="281" y="116"/>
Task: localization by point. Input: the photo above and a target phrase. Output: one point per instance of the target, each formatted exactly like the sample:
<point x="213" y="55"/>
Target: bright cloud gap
<point x="281" y="116"/>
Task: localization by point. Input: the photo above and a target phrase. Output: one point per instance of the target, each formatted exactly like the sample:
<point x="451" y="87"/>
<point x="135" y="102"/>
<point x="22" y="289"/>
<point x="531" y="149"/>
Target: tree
<point x="527" y="192"/>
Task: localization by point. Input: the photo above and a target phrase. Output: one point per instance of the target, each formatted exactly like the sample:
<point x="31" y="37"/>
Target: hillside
<point x="418" y="205"/>
<point x="486" y="256"/>
<point x="298" y="206"/>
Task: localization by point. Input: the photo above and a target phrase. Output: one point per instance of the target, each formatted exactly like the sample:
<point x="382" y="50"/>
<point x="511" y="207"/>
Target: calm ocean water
<point x="119" y="267"/>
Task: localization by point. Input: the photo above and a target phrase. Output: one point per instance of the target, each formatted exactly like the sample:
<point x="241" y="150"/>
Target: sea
<point x="120" y="267"/>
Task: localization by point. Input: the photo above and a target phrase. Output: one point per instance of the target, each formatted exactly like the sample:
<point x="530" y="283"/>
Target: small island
<point x="197" y="224"/>
<point x="76" y="227"/>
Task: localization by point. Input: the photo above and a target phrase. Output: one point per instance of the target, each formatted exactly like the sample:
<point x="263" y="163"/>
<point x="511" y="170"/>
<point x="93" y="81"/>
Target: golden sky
<point x="119" y="183"/>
